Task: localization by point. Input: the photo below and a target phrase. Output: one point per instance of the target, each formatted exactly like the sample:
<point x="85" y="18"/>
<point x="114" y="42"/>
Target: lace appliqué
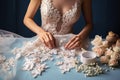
<point x="36" y="56"/>
<point x="51" y="17"/>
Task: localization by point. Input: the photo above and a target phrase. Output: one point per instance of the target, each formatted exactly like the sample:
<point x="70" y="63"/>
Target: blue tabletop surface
<point x="53" y="73"/>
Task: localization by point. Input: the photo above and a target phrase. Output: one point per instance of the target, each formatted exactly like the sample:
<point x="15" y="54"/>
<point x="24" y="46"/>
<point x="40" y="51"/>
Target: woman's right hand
<point x="48" y="39"/>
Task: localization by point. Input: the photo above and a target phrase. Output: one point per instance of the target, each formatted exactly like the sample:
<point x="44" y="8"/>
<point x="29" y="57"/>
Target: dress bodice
<point x="55" y="22"/>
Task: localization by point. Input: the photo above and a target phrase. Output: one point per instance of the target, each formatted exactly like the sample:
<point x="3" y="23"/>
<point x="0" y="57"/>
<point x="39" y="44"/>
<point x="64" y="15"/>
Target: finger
<point x="73" y="42"/>
<point x="54" y="42"/>
<point x="51" y="40"/>
<point x="43" y="40"/>
<point x="47" y="40"/>
<point x="69" y="42"/>
<point x="75" y="45"/>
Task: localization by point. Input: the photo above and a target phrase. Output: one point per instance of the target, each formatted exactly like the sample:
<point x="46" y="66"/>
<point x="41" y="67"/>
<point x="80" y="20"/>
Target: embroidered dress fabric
<point x="36" y="55"/>
<point x="55" y="22"/>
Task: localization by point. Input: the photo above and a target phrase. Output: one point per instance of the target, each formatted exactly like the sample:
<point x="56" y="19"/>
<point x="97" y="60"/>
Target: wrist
<point x="40" y="31"/>
<point x="82" y="36"/>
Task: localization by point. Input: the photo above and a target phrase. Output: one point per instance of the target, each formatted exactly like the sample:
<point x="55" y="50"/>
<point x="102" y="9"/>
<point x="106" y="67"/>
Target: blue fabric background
<point x="105" y="17"/>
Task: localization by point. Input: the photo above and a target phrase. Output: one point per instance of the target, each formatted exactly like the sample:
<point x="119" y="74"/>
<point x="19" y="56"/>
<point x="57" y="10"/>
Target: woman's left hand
<point x="74" y="42"/>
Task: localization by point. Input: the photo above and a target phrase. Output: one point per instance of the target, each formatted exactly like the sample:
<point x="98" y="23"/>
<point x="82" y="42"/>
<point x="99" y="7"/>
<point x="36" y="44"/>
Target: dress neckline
<point x="66" y="12"/>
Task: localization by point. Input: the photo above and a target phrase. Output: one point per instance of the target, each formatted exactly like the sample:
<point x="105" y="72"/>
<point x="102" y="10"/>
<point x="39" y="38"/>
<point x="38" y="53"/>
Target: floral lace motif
<point x="56" y="23"/>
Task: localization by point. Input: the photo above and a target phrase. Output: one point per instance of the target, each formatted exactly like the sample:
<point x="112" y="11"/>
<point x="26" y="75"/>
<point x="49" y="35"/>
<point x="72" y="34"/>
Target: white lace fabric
<point x="36" y="55"/>
<point x="6" y="39"/>
<point x="56" y="23"/>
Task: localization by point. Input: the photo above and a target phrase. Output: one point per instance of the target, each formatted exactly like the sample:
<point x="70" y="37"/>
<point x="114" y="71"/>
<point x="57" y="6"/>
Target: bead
<point x="91" y="69"/>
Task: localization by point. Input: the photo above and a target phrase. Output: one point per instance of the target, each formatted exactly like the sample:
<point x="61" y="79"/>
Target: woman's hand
<point x="74" y="42"/>
<point x="47" y="39"/>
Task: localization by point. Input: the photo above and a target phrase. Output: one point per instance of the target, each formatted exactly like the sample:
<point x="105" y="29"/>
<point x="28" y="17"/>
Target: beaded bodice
<point x="55" y="22"/>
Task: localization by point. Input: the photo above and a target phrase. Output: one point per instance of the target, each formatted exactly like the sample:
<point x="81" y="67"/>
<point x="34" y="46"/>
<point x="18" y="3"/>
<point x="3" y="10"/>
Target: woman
<point x="58" y="17"/>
